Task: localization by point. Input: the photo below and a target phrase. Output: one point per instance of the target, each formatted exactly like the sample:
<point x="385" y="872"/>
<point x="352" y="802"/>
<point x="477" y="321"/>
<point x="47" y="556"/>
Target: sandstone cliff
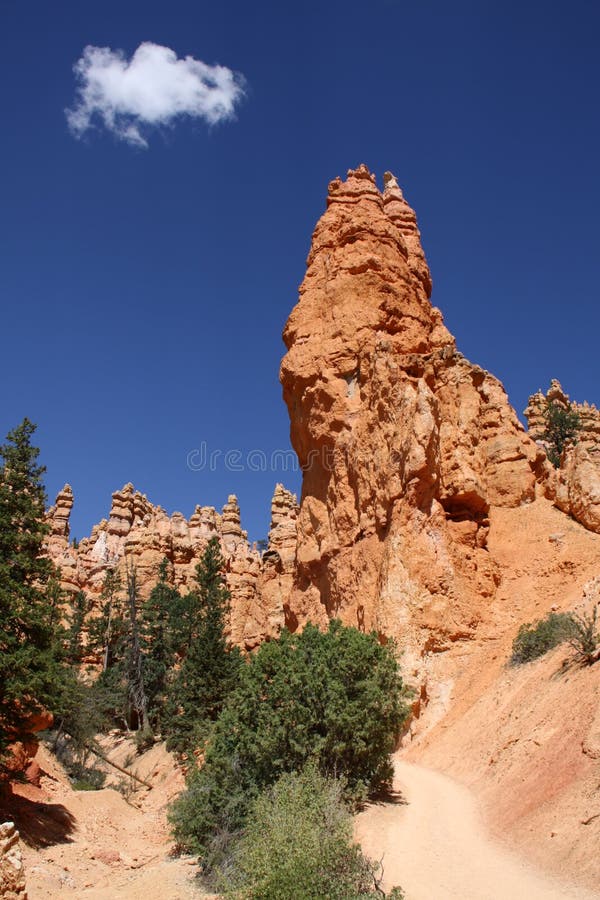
<point x="406" y="446"/>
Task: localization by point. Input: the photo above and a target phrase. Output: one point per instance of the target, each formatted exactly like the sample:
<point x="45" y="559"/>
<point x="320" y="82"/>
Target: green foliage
<point x="297" y="845"/>
<point x="89" y="782"/>
<point x="143" y="740"/>
<point x="137" y="702"/>
<point x="562" y="427"/>
<point x="30" y="667"/>
<point x="335" y="697"/>
<point x="74" y="631"/>
<point x="210" y="668"/>
<point x="116" y="636"/>
<point x="108" y="630"/>
<point x="108" y="638"/>
<point x="585" y="637"/>
<point x="74" y="752"/>
<point x="534" y="640"/>
<point x="159" y="642"/>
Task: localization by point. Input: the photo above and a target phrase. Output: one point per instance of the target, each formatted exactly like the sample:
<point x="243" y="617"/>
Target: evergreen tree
<point x="108" y="635"/>
<point x="335" y="698"/>
<point x="137" y="713"/>
<point x="74" y="631"/>
<point x="29" y="668"/>
<point x="563" y="424"/>
<point x="107" y="631"/>
<point x="160" y="639"/>
<point x="208" y="672"/>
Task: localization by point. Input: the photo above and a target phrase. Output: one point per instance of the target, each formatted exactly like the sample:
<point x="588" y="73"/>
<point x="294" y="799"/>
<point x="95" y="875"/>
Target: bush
<point x="335" y="697"/>
<point x="297" y="845"/>
<point x="88" y="779"/>
<point x="585" y="637"/>
<point x="534" y="640"/>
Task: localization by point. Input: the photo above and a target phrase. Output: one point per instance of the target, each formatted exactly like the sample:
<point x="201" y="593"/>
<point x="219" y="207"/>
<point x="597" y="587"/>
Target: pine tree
<point x="137" y="713"/>
<point x="108" y="629"/>
<point x="108" y="635"/>
<point x="562" y="426"/>
<point x="74" y="632"/>
<point x="209" y="670"/>
<point x="160" y="639"/>
<point x="29" y="668"/>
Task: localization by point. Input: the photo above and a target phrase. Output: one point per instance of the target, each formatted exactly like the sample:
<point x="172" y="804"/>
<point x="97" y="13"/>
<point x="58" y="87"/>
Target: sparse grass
<point x="126" y="787"/>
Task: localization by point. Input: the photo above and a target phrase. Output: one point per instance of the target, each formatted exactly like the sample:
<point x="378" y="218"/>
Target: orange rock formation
<point x="143" y="534"/>
<point x="576" y="485"/>
<point x="405" y="445"/>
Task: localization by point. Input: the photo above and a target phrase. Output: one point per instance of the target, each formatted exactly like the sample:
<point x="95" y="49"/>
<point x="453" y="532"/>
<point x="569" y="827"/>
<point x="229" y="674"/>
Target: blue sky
<point x="144" y="290"/>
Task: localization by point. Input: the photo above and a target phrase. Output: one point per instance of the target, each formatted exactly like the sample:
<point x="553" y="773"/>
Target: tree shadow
<point x="39" y="824"/>
<point x="386" y="795"/>
<point x="569" y="665"/>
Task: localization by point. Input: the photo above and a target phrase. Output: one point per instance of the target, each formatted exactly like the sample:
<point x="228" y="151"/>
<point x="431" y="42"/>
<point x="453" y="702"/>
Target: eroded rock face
<point x="405" y="445"/>
<point x="58" y="519"/>
<point x="140" y="533"/>
<point x="576" y="484"/>
<point x="12" y="872"/>
<point x="20" y="753"/>
<point x="278" y="563"/>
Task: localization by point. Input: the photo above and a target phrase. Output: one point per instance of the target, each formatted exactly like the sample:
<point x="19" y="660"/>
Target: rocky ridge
<point x="142" y="534"/>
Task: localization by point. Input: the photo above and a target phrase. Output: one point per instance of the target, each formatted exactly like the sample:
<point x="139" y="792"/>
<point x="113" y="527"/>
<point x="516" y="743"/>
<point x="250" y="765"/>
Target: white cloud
<point x="153" y="88"/>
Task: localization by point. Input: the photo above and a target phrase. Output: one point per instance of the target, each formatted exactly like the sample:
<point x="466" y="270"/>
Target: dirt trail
<point x="435" y="846"/>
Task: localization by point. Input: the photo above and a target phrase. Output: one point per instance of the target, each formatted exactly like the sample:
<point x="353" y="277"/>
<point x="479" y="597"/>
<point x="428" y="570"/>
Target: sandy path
<point x="435" y="846"/>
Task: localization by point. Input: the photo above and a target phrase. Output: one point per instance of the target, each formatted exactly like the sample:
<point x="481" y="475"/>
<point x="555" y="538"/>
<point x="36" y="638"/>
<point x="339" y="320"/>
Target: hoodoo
<point x="405" y="445"/>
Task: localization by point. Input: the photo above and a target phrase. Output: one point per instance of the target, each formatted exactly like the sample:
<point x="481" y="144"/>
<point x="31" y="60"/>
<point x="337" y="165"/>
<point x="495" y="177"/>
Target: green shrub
<point x="534" y="640"/>
<point x="143" y="740"/>
<point x="297" y="845"/>
<point x="335" y="697"/>
<point x="89" y="780"/>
